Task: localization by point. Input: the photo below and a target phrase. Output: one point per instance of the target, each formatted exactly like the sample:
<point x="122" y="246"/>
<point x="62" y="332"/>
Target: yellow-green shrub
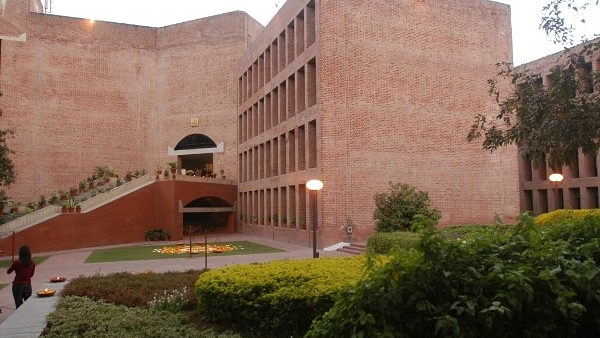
<point x="276" y="299"/>
<point x="385" y="242"/>
<point x="564" y="215"/>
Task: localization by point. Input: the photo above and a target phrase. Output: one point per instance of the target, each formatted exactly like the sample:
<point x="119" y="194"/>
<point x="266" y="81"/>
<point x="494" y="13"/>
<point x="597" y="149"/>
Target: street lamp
<point x="555" y="178"/>
<point x="314" y="186"/>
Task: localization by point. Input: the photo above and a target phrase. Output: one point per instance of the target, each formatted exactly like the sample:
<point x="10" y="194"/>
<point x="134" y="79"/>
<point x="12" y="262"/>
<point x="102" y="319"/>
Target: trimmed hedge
<point x="564" y="215"/>
<point x="385" y="242"/>
<point x="275" y="299"/>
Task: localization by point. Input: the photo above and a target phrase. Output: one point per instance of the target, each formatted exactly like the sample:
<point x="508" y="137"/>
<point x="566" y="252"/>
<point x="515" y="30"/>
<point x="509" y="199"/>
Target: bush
<point x="135" y="290"/>
<point x="275" y="299"/>
<point x="522" y="282"/>
<point x="564" y="215"/>
<point x="396" y="209"/>
<point x="82" y="317"/>
<point x="385" y="242"/>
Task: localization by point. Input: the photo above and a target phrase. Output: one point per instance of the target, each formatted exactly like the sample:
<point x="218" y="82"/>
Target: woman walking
<point x="24" y="268"/>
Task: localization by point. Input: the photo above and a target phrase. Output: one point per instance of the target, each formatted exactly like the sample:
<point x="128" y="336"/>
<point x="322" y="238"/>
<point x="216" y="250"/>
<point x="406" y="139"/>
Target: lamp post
<point x="314" y="186"/>
<point x="555" y="178"/>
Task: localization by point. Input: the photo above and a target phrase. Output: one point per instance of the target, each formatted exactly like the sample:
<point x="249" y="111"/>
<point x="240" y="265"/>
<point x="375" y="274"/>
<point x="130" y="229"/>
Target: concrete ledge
<point x="29" y="320"/>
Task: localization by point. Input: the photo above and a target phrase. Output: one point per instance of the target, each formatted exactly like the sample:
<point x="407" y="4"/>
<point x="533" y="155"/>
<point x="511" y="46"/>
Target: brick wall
<point x="122" y="221"/>
<point x="400" y="84"/>
<point x="81" y="94"/>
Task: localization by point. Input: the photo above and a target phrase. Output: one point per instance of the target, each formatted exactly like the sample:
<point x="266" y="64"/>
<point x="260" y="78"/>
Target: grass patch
<point x="146" y="252"/>
<point x="7" y="262"/>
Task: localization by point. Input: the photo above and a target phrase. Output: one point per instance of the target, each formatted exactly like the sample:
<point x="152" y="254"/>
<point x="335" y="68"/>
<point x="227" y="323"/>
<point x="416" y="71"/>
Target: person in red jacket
<point x="24" y="268"/>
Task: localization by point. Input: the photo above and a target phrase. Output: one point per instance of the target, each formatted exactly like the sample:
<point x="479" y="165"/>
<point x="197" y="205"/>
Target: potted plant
<point x="90" y="181"/>
<point x="30" y="207"/>
<point x="223" y="174"/>
<point x="42" y="202"/>
<point x="53" y="199"/>
<point x="82" y="186"/>
<point x="71" y="205"/>
<point x="64" y="208"/>
<point x="173" y="167"/>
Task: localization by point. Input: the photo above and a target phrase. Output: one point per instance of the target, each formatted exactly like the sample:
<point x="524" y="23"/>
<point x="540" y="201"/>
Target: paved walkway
<point x="30" y="319"/>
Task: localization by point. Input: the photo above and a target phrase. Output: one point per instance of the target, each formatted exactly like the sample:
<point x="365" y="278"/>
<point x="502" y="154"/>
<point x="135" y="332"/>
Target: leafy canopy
<point x="549" y="119"/>
<point x="556" y="19"/>
<point x="553" y="120"/>
<point x="401" y="208"/>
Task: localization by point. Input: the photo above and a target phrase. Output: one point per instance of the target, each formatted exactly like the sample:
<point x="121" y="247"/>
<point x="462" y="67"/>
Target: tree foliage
<point x="7" y="170"/>
<point x="504" y="282"/>
<point x="549" y="119"/>
<point x="555" y="21"/>
<point x="553" y="120"/>
<point x="397" y="208"/>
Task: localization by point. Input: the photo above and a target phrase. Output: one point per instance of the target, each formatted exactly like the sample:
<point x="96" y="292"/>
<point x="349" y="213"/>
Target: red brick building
<point x="579" y="188"/>
<point x="354" y="93"/>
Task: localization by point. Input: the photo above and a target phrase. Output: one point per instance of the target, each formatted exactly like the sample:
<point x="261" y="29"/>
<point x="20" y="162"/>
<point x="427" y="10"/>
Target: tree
<point x="7" y="170"/>
<point x="401" y="206"/>
<point x="556" y="23"/>
<point x="549" y="121"/>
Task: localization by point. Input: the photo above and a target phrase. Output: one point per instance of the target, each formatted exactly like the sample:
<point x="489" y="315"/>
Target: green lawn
<point x="146" y="252"/>
<point x="7" y="262"/>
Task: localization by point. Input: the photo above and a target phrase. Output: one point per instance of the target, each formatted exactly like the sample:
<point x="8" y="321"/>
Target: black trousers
<point x="20" y="293"/>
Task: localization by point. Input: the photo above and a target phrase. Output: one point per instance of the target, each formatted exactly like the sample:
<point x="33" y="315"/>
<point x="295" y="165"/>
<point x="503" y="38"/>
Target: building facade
<point x="354" y="93"/>
<point x="359" y="94"/>
<point x="580" y="184"/>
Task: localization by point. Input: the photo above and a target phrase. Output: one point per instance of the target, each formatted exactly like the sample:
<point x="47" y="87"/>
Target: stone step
<point x="354" y="248"/>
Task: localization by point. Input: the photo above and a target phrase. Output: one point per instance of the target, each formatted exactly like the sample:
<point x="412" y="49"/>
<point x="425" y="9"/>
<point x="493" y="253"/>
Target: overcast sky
<point x="529" y="43"/>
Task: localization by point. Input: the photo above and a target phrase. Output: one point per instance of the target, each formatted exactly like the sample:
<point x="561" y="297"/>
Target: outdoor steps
<point x="354" y="248"/>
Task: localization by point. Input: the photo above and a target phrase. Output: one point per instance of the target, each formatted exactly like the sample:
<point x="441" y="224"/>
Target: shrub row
<point x="525" y="281"/>
<point x="135" y="289"/>
<point x="85" y="318"/>
<point x="275" y="299"/>
<point x="564" y="215"/>
<point x="385" y="242"/>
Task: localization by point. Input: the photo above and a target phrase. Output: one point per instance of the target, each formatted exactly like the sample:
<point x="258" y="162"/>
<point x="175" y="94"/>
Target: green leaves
<point x="518" y="281"/>
<point x="276" y="299"/>
<point x="554" y="117"/>
<point x="397" y="209"/>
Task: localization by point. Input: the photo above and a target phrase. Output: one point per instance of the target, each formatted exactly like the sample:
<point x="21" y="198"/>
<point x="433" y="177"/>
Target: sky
<point x="529" y="42"/>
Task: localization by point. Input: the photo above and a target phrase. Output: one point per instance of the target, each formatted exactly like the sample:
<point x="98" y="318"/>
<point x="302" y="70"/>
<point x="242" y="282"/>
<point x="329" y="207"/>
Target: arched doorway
<point x="207" y="213"/>
<point x="195" y="154"/>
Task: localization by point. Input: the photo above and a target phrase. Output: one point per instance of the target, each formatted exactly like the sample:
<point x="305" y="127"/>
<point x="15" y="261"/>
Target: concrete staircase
<point x="354" y="248"/>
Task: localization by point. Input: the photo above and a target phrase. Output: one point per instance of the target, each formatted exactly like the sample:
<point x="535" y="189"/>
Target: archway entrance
<point x="206" y="213"/>
<point x="195" y="154"/>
